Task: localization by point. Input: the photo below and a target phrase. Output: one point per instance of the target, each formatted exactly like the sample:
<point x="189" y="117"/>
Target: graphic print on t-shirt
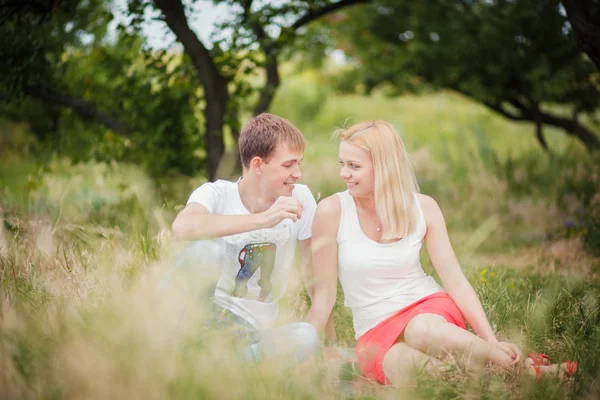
<point x="251" y="258"/>
<point x="252" y="270"/>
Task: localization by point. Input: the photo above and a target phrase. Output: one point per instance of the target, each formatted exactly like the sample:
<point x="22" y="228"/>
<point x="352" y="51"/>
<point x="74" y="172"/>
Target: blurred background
<point x="111" y="113"/>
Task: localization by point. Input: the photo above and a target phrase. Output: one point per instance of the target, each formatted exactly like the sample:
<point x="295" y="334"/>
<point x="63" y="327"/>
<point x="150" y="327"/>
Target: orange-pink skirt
<point x="375" y="343"/>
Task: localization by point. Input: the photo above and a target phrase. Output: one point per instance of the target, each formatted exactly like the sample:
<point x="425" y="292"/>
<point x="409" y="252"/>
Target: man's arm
<point x="195" y="222"/>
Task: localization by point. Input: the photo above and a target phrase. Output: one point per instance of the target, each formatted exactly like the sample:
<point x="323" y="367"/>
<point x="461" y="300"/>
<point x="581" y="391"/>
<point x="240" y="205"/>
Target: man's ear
<point x="256" y="164"/>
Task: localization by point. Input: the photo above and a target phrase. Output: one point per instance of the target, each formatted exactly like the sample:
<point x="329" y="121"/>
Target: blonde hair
<point x="395" y="182"/>
<point x="262" y="134"/>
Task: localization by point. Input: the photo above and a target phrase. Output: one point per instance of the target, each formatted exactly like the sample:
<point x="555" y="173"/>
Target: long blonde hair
<point x="395" y="181"/>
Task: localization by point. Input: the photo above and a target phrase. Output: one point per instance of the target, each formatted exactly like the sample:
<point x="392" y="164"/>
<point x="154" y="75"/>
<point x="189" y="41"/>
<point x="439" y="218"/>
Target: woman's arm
<point x="324" y="261"/>
<point x="454" y="281"/>
<point x="307" y="269"/>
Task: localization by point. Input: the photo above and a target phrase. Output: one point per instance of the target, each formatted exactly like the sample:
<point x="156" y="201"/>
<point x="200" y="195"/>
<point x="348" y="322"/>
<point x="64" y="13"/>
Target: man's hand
<point x="283" y="208"/>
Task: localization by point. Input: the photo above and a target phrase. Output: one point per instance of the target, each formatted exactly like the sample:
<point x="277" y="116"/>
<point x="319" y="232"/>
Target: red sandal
<point x="570" y="370"/>
<point x="542" y="359"/>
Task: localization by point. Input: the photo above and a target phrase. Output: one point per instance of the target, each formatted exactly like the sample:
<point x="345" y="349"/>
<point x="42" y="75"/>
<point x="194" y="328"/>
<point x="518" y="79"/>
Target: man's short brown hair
<point x="262" y="134"/>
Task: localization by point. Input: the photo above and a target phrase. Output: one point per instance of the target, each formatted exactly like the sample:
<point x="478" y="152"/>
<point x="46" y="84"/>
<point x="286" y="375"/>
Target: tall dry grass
<point x="83" y="247"/>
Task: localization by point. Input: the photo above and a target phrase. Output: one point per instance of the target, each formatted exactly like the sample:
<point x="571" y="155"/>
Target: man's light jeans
<point x="196" y="272"/>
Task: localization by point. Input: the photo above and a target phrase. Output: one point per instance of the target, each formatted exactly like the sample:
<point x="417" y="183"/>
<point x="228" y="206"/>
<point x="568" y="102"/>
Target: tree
<point x="32" y="37"/>
<point x="53" y="35"/>
<point x="89" y="95"/>
<point x="218" y="67"/>
<point x="519" y="58"/>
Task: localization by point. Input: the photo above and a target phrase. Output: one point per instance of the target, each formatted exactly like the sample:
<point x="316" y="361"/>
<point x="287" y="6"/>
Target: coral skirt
<point x="375" y="343"/>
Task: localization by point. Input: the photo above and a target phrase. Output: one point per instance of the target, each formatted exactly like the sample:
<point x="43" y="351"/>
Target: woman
<point x="371" y="235"/>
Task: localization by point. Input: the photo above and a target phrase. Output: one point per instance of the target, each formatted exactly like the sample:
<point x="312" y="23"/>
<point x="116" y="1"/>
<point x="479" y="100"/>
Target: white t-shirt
<point x="255" y="265"/>
<point x="379" y="279"/>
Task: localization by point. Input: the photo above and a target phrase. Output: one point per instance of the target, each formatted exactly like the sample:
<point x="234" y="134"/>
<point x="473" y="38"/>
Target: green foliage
<point x="155" y="95"/>
<point x="302" y="96"/>
<point x="65" y="50"/>
<point x="489" y="50"/>
<point x="33" y="38"/>
<point x="500" y="53"/>
<point x="578" y="194"/>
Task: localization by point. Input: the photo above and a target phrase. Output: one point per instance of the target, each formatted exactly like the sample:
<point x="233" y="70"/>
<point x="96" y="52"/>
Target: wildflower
<point x="570" y="224"/>
<point x="482" y="275"/>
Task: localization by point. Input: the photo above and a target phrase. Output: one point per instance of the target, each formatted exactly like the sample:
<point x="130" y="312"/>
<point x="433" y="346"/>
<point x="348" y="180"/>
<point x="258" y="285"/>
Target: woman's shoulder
<point x="328" y="217"/>
<point x="430" y="208"/>
<point x="426" y="201"/>
<point x="330" y="206"/>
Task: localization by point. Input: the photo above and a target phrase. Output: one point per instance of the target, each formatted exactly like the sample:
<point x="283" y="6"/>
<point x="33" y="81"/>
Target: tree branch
<point x="571" y="126"/>
<point x="271" y="50"/>
<point x="84" y="108"/>
<point x="314" y="14"/>
<point x="499" y="109"/>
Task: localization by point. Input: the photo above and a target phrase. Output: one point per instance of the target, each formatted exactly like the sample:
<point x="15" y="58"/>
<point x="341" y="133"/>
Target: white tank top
<point x="379" y="279"/>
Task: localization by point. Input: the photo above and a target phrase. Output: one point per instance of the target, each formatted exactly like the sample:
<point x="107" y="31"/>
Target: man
<point x="245" y="235"/>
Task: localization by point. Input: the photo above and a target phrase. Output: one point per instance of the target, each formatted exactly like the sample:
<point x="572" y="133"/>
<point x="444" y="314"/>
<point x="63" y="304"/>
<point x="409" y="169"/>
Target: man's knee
<point x="196" y="265"/>
<point x="307" y="340"/>
<point x="198" y="253"/>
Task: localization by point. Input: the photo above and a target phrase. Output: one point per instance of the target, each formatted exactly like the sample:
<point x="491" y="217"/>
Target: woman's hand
<point x="512" y="350"/>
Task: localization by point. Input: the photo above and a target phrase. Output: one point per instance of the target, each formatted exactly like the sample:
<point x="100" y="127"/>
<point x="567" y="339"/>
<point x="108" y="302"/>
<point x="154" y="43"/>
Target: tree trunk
<point x="584" y="16"/>
<point x="268" y="92"/>
<point x="215" y="85"/>
<point x="214" y="137"/>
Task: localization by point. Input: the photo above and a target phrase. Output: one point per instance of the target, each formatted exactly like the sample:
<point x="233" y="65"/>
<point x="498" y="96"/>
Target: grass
<point x="82" y="247"/>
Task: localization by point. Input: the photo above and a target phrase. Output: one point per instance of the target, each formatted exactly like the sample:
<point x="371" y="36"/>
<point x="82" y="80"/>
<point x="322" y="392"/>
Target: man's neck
<point x="252" y="198"/>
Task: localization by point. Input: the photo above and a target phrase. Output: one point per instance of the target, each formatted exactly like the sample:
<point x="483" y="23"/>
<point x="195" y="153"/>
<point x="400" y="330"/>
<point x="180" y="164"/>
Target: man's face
<point x="281" y="171"/>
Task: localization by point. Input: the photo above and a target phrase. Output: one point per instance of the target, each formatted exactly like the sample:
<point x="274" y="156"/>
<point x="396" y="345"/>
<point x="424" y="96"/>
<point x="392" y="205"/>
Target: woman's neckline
<point x="363" y="232"/>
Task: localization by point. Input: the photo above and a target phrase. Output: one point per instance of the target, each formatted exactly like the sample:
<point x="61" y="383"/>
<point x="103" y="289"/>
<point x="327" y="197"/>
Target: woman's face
<point x="356" y="170"/>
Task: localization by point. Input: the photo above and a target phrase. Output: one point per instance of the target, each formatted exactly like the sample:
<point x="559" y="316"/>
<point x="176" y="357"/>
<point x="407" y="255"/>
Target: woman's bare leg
<point x="433" y="335"/>
<point x="401" y="361"/>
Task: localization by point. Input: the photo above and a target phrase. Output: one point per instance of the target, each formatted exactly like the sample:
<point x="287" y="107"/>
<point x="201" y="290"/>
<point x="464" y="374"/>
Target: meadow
<point x="82" y="247"/>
